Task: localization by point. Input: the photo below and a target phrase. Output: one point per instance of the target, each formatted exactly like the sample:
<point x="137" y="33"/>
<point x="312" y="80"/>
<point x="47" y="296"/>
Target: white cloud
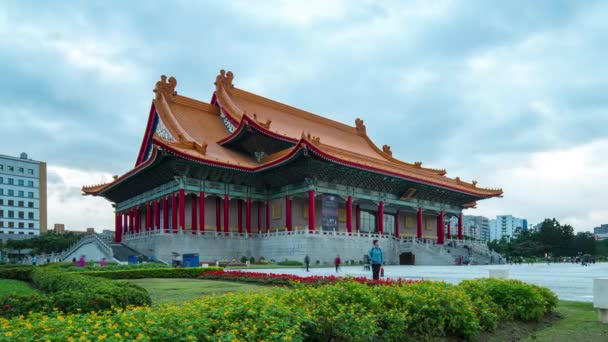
<point x="300" y="13"/>
<point x="568" y="184"/>
<point x="67" y="205"/>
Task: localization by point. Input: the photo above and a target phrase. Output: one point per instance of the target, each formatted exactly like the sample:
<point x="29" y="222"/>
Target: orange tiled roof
<point x="195" y="128"/>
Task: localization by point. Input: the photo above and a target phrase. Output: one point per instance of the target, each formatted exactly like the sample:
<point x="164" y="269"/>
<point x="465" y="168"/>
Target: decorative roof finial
<point x="387" y="149"/>
<point x="360" y="127"/>
<point x="224" y="79"/>
<point x="166" y="87"/>
<point x="474" y="183"/>
<point x="418" y="164"/>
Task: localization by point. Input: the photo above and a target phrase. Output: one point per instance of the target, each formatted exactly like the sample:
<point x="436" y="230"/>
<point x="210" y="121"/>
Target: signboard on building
<point x="329" y="212"/>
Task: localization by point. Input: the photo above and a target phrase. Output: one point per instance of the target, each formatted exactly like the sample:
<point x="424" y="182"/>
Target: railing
<point x="94" y="238"/>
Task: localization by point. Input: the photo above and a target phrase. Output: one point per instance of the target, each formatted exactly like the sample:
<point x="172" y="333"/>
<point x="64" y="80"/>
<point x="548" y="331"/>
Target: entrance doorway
<point x="407" y="258"/>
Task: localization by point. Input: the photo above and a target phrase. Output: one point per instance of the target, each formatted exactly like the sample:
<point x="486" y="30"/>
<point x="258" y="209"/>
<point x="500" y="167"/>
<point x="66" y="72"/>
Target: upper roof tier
<point x="202" y="132"/>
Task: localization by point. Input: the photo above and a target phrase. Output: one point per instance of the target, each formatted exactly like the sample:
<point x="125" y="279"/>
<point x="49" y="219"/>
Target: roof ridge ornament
<point x="387" y="149"/>
<point x="263" y="124"/>
<point x="165" y="87"/>
<point x="361" y="130"/>
<point x="313" y="139"/>
<point x="224" y="79"/>
<point x="418" y="164"/>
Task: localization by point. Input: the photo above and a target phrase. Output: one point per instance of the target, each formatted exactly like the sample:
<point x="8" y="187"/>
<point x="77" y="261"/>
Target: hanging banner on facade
<point x="329" y="212"/>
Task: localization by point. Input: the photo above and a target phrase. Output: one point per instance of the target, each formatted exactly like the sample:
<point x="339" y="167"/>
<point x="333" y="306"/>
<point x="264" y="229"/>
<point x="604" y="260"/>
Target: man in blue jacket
<point x="376" y="258"/>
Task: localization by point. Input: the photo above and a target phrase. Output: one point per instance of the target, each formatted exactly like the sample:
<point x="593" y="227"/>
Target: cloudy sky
<point x="512" y="94"/>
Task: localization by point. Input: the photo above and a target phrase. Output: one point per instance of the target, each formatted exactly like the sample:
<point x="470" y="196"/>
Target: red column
<point x="174" y="213"/>
<point x="193" y="217"/>
<point x="259" y="217"/>
<point x="137" y="220"/>
<point x="117" y="228"/>
<point x="460" y="226"/>
<point x="125" y="222"/>
<point x="288" y="212"/>
<point x="166" y="214"/>
<point x="381" y="217"/>
<point x="349" y="215"/>
<point x="358" y="218"/>
<point x="449" y="230"/>
<point x="218" y="218"/>
<point x="156" y="214"/>
<point x="419" y="223"/>
<point x="397" y="224"/>
<point x="182" y="209"/>
<point x="267" y="216"/>
<point x="248" y="216"/>
<point x="201" y="211"/>
<point x="226" y="214"/>
<point x="440" y="229"/>
<point x="148" y="216"/>
<point x="239" y="204"/>
<point x="311" y="210"/>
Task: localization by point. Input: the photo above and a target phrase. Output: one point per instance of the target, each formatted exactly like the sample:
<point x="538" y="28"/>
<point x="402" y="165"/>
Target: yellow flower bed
<point x="346" y="311"/>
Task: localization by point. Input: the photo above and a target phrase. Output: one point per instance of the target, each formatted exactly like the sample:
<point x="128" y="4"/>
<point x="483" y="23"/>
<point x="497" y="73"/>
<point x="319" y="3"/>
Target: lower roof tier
<point x="163" y="167"/>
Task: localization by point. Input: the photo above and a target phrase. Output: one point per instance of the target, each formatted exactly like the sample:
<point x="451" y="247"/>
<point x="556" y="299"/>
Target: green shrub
<point x="290" y="263"/>
<point x="16" y="273"/>
<point x="243" y="259"/>
<point x="516" y="300"/>
<point x="188" y="272"/>
<point x="251" y="260"/>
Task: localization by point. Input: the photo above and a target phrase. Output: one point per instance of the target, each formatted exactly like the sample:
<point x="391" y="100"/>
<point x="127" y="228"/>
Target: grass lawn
<point x="8" y="286"/>
<point x="579" y="323"/>
<point x="181" y="290"/>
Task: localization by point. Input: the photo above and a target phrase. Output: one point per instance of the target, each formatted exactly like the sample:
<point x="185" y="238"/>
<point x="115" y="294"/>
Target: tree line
<point x="552" y="239"/>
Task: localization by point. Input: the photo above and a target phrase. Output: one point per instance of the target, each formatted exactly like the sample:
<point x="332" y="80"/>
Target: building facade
<point x="506" y="225"/>
<point x="477" y="227"/>
<point x="23" y="208"/>
<point x="601" y="232"/>
<point x="244" y="166"/>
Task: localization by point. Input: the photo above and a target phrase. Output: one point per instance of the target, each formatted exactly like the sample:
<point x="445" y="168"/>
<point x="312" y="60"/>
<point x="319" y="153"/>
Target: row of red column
<point x="128" y="221"/>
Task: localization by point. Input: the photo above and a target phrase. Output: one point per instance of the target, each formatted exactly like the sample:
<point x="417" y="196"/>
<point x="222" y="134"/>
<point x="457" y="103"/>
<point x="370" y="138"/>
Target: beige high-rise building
<point x="23" y="202"/>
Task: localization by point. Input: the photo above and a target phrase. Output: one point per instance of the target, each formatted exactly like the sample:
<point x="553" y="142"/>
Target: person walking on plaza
<point x="307" y="262"/>
<point x="34" y="261"/>
<point x="337" y="262"/>
<point x="376" y="258"/>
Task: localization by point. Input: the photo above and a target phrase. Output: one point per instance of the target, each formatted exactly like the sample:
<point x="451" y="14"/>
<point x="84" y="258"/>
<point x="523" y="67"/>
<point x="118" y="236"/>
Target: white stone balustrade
<point x="600" y="298"/>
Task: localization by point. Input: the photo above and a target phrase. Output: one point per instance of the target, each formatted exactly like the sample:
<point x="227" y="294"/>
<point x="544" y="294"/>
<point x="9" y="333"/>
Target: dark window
<point x="30" y="171"/>
<point x="20" y="169"/>
<point x="1" y="202"/>
<point x="20" y="193"/>
<point x="11" y="181"/>
<point x="30" y="194"/>
<point x="1" y="180"/>
<point x="30" y="233"/>
<point x="1" y="167"/>
<point x="30" y="216"/>
<point x="20" y="204"/>
<point x="11" y="168"/>
<point x="20" y="182"/>
<point x="1" y="191"/>
<point x="11" y="214"/>
<point x="30" y="225"/>
<point x="1" y="213"/>
<point x="11" y="203"/>
<point x="11" y="193"/>
<point x="30" y="184"/>
<point x="30" y="204"/>
<point x="21" y="233"/>
<point x="21" y="225"/>
<point x="21" y="214"/>
<point x="11" y="225"/>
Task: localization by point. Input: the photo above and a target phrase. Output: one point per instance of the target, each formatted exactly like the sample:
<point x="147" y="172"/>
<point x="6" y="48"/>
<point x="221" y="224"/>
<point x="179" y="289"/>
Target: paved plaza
<point x="568" y="281"/>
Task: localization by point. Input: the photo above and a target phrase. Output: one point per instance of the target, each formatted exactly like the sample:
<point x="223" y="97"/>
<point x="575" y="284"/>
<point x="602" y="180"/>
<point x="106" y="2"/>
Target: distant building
<point x="506" y="225"/>
<point x="23" y="208"/>
<point x="601" y="232"/>
<point x="477" y="227"/>
<point x="58" y="228"/>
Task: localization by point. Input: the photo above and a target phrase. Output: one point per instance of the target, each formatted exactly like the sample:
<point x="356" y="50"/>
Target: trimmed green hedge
<point x="190" y="272"/>
<point x="16" y="273"/>
<point x="69" y="292"/>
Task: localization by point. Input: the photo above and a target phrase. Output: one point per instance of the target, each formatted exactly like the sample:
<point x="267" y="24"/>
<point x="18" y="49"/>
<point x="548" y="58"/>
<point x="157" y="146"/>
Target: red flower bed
<point x="290" y="279"/>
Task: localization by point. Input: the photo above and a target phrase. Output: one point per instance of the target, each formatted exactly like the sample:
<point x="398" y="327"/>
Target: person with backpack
<point x="376" y="258"/>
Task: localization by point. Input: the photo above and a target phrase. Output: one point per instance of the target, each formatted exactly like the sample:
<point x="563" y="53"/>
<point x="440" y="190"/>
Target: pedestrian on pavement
<point x="34" y="261"/>
<point x="307" y="262"/>
<point x="337" y="262"/>
<point x="376" y="258"/>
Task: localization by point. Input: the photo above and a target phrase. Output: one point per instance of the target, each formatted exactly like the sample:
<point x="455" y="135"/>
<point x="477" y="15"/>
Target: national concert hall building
<point x="244" y="175"/>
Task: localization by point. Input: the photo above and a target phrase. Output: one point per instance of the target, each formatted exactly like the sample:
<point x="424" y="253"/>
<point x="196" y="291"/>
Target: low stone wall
<point x="321" y="246"/>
